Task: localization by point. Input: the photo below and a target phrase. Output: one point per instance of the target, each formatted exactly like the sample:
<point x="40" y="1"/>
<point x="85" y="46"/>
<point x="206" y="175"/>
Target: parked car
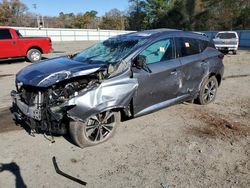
<point x="15" y="45"/>
<point x="227" y="41"/>
<point x="121" y="78"/>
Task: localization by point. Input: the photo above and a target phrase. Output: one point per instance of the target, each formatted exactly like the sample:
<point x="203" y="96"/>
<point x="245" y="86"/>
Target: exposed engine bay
<point x="45" y="106"/>
<point x="50" y="109"/>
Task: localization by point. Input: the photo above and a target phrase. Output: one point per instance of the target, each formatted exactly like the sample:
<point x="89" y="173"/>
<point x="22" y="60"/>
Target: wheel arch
<point x="35" y="47"/>
<point x="217" y="76"/>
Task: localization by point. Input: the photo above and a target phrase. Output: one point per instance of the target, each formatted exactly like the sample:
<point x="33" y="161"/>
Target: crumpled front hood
<point x="49" y="72"/>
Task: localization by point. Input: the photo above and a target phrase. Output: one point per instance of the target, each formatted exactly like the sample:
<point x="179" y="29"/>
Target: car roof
<point x="158" y="33"/>
<point x="227" y="32"/>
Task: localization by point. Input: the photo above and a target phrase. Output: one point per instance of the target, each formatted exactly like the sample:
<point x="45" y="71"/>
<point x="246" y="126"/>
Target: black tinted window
<point x="187" y="46"/>
<point x="226" y="35"/>
<point x="203" y="45"/>
<point x="211" y="44"/>
<point x="5" y="34"/>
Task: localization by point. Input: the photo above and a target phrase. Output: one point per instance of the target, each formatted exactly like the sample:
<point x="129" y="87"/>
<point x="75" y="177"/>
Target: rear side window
<point x="187" y="46"/>
<point x="5" y="34"/>
<point x="203" y="45"/>
<point x="226" y="35"/>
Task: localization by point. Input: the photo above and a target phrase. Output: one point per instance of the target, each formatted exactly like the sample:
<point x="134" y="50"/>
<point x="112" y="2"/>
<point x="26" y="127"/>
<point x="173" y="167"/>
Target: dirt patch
<point x="215" y="125"/>
<point x="74" y="160"/>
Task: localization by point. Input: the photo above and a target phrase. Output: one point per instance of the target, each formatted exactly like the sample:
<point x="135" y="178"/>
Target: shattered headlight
<point x="54" y="78"/>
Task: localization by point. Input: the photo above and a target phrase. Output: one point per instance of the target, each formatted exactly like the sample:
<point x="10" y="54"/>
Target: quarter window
<point x="5" y="34"/>
<point x="159" y="51"/>
<point x="187" y="46"/>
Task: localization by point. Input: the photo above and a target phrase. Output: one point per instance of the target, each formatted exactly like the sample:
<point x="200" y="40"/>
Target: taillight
<point x="221" y="56"/>
<point x="236" y="42"/>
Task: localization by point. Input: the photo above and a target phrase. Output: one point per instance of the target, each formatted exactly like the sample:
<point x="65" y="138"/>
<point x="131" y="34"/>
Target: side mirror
<point x="139" y="61"/>
<point x="73" y="55"/>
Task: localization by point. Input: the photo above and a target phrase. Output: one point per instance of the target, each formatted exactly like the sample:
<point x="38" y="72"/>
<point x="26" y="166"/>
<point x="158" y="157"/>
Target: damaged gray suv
<point x="89" y="93"/>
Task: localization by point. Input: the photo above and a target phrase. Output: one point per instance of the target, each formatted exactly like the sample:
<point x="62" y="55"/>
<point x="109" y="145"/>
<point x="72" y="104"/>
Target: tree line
<point x="141" y="14"/>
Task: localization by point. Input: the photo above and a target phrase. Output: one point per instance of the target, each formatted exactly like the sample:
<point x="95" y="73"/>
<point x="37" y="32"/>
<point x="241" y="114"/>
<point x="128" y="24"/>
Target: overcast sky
<point x="54" y="7"/>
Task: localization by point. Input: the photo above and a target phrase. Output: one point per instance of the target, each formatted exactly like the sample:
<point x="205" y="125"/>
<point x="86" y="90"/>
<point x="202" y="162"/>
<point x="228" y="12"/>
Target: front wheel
<point x="208" y="91"/>
<point x="34" y="55"/>
<point x="95" y="130"/>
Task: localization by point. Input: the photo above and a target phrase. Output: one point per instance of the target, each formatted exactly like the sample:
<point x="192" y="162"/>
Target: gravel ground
<point x="185" y="145"/>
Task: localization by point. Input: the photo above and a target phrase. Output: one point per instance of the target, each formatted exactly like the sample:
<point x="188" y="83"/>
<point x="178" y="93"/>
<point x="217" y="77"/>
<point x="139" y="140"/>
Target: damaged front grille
<point x="45" y="111"/>
<point x="28" y="97"/>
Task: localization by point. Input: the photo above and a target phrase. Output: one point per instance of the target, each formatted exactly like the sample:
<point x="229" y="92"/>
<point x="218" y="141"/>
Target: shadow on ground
<point x="11" y="61"/>
<point x="7" y="122"/>
<point x="17" y="60"/>
<point x="15" y="170"/>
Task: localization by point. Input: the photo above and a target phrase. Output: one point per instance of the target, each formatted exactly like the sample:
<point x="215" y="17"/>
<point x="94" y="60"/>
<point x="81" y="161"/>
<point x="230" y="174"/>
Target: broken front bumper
<point x="29" y="111"/>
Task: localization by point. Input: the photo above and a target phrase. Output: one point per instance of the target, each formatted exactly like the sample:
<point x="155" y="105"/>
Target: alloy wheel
<point x="100" y="126"/>
<point x="209" y="91"/>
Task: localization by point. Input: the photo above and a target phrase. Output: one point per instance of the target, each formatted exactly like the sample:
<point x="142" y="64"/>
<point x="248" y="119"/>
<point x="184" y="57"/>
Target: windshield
<point x="110" y="51"/>
<point x="226" y="35"/>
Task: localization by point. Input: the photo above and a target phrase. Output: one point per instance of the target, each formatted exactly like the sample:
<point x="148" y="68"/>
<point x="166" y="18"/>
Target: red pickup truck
<point x="14" y="45"/>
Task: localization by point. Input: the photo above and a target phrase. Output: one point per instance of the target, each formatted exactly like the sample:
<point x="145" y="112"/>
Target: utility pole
<point x="40" y="20"/>
<point x="37" y="17"/>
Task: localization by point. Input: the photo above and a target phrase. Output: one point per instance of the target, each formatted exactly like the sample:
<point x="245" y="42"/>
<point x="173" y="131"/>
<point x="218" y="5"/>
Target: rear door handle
<point x="14" y="43"/>
<point x="173" y="72"/>
<point x="203" y="62"/>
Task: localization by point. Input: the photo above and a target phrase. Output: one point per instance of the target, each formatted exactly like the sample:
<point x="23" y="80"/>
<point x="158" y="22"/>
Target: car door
<point x="194" y="64"/>
<point x="8" y="44"/>
<point x="162" y="83"/>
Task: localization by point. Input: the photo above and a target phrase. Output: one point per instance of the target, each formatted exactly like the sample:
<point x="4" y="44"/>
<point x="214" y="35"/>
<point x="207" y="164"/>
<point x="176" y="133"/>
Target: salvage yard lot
<point x="185" y="145"/>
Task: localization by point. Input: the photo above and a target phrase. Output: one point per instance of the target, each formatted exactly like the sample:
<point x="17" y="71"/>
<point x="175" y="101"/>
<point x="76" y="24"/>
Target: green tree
<point x="137" y="15"/>
<point x="88" y="20"/>
<point x="155" y="11"/>
<point x="12" y="12"/>
<point x="66" y="20"/>
<point x="114" y="19"/>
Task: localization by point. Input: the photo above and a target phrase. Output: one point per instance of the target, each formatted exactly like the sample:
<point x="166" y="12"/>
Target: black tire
<point x="208" y="91"/>
<point x="34" y="55"/>
<point x="234" y="52"/>
<point x="102" y="125"/>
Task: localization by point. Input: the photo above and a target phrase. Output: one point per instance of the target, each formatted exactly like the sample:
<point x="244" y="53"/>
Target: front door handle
<point x="14" y="43"/>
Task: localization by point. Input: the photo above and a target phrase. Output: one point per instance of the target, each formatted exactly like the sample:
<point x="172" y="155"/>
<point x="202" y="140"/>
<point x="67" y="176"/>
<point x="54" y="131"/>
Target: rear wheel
<point x="95" y="130"/>
<point x="234" y="52"/>
<point x="34" y="55"/>
<point x="208" y="91"/>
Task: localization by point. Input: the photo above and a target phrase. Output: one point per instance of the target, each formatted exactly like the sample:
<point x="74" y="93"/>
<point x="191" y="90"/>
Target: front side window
<point x="5" y="34"/>
<point x="159" y="51"/>
<point x="187" y="46"/>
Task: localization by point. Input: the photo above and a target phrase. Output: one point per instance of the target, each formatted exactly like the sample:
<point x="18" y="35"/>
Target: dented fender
<point x="110" y="94"/>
